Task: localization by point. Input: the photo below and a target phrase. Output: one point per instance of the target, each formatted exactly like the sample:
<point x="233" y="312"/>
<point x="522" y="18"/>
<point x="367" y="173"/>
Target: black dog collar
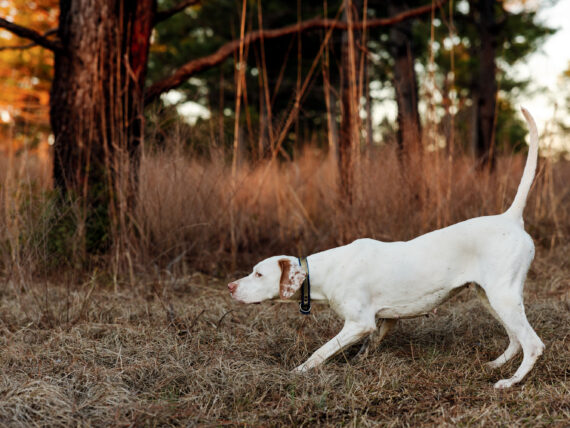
<point x="305" y="304"/>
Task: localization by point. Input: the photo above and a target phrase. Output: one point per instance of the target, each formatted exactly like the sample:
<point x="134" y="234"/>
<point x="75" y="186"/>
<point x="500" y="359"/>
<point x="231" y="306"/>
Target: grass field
<point x="181" y="352"/>
<point x="150" y="337"/>
<point x="114" y="306"/>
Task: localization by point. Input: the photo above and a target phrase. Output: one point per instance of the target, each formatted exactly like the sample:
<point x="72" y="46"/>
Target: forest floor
<point x="181" y="352"/>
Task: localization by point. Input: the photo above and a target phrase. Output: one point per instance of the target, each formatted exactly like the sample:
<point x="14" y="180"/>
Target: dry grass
<point x="26" y="213"/>
<point x="180" y="352"/>
<point x="168" y="347"/>
<point x="184" y="220"/>
<point x="295" y="207"/>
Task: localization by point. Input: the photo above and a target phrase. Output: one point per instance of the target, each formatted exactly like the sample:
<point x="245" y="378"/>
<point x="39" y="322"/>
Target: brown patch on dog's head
<point x="292" y="277"/>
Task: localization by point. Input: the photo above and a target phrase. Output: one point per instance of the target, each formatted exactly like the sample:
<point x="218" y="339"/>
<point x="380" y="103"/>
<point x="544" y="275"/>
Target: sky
<point x="545" y="67"/>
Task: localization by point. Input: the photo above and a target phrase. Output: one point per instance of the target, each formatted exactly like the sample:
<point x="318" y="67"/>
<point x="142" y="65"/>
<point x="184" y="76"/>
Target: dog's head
<point x="279" y="276"/>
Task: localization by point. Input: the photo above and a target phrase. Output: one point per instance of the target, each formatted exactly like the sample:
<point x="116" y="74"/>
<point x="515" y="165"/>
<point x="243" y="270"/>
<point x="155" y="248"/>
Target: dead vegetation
<point x="147" y="335"/>
<point x="186" y="220"/>
<point x="180" y="352"/>
<point x="161" y="344"/>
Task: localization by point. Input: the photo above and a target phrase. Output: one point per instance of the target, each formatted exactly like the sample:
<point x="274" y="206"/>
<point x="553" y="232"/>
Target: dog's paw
<point x="305" y="367"/>
<point x="495" y="364"/>
<point x="504" y="384"/>
<point x="301" y="369"/>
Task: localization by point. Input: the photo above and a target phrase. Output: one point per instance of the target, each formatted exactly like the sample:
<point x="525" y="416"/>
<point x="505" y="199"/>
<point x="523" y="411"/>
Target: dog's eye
<point x="258" y="275"/>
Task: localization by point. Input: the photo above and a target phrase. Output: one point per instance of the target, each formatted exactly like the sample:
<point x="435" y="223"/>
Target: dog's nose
<point x="232" y="286"/>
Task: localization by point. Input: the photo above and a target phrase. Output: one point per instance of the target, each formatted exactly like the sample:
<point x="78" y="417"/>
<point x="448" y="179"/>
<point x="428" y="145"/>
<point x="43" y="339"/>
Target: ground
<point x="181" y="352"/>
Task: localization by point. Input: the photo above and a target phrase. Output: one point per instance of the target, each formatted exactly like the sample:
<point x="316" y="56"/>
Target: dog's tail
<point x="516" y="209"/>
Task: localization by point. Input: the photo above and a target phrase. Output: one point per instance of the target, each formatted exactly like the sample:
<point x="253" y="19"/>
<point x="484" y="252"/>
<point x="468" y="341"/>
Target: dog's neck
<point x="317" y="292"/>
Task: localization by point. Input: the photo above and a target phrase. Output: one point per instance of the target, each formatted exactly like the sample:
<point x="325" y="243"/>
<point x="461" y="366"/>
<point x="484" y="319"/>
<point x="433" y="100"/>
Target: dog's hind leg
<point x="512" y="350"/>
<point x="506" y="301"/>
<point x="514" y="345"/>
<point x="373" y="341"/>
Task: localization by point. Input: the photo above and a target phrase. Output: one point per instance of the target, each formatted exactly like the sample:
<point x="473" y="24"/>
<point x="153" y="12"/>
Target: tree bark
<point x="348" y="135"/>
<point x="405" y="83"/>
<point x="96" y="108"/>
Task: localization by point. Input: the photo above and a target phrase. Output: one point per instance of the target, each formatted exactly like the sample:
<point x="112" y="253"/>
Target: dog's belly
<point x="416" y="307"/>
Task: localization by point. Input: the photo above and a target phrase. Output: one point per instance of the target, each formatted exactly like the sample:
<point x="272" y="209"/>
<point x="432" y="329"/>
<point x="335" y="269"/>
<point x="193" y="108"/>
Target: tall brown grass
<point x="183" y="221"/>
<point x="295" y="207"/>
<point x="24" y="212"/>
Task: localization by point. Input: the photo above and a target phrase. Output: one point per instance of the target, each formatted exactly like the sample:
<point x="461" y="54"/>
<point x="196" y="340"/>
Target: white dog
<point x="369" y="278"/>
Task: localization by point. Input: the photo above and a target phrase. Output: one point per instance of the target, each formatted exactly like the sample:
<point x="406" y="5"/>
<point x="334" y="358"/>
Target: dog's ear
<point x="292" y="277"/>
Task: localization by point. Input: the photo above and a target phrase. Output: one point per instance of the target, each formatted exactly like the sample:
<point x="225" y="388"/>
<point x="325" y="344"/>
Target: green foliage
<point x="201" y="30"/>
<point x="98" y="221"/>
<point x="62" y="233"/>
<point x="54" y="232"/>
<point x="75" y="230"/>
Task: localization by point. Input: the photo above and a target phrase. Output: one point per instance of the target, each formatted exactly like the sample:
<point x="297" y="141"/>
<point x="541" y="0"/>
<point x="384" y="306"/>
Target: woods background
<point x="164" y="146"/>
<point x="312" y="77"/>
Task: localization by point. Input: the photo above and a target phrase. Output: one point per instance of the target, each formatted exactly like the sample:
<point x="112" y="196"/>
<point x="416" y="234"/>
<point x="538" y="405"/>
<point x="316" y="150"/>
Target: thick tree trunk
<point x="96" y="108"/>
<point x="404" y="79"/>
<point x="484" y="99"/>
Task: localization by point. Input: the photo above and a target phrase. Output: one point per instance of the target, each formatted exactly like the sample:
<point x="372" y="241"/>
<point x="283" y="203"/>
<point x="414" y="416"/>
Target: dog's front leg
<point x="351" y="333"/>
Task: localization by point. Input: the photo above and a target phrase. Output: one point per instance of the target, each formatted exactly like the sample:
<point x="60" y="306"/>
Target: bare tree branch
<point x="161" y="15"/>
<point x="30" y="34"/>
<point x="200" y="64"/>
<point x="29" y="45"/>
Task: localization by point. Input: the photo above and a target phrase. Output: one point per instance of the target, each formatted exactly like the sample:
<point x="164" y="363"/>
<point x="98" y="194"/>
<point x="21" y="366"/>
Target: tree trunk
<point x="484" y="99"/>
<point x="405" y="84"/>
<point x="348" y="136"/>
<point x="96" y="108"/>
